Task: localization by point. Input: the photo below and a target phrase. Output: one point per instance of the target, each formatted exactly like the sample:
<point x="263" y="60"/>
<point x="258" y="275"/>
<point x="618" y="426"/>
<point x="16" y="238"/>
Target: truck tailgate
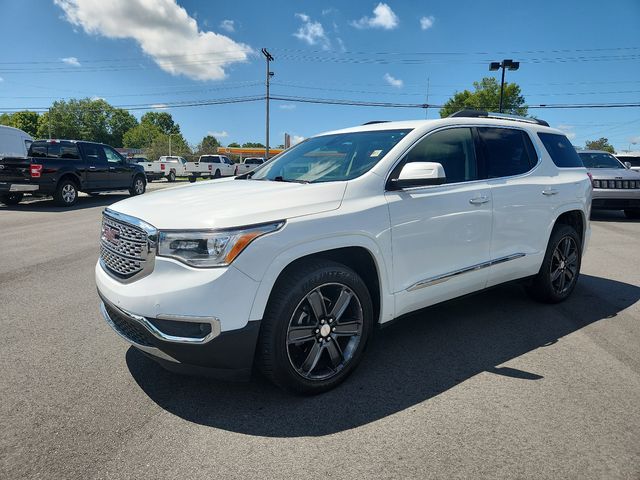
<point x="15" y="169"/>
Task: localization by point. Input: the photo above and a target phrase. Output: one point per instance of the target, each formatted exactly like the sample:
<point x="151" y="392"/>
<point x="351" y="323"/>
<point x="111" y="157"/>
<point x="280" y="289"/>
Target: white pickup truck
<point x="171" y="167"/>
<point x="248" y="164"/>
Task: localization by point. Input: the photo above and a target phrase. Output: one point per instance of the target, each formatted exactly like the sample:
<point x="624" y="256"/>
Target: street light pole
<point x="269" y="58"/>
<point x="504" y="65"/>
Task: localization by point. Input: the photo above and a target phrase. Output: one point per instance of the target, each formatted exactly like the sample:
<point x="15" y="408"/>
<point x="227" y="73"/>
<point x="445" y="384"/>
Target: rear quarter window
<point x="560" y="150"/>
<point x="507" y="151"/>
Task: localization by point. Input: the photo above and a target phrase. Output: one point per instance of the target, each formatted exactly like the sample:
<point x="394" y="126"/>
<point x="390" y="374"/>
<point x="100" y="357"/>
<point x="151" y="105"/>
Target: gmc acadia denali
<point x="344" y="231"/>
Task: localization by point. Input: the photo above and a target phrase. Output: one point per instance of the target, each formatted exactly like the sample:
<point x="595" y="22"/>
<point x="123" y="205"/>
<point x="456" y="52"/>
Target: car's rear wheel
<point x="11" y="198"/>
<point x="139" y="186"/>
<point x="172" y="176"/>
<point x="560" y="268"/>
<point x="66" y="193"/>
<point x="315" y="327"/>
<point x="192" y="179"/>
<point x="217" y="174"/>
<point x="632" y="214"/>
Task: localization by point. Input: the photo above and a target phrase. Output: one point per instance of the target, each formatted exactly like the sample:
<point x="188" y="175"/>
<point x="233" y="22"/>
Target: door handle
<point x="112" y="168"/>
<point x="549" y="191"/>
<point x="479" y="200"/>
<point x="91" y="167"/>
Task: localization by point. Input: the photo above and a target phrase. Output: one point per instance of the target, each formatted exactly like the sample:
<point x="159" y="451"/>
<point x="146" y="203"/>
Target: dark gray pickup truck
<point x="62" y="168"/>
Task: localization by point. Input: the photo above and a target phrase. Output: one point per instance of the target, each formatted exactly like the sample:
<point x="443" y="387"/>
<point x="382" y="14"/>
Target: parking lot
<point x="492" y="385"/>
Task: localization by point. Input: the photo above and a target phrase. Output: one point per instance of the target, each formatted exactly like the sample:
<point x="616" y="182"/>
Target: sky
<point x="145" y="55"/>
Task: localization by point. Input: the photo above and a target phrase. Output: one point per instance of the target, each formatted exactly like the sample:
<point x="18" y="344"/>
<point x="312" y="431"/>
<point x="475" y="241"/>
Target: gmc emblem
<point x="110" y="234"/>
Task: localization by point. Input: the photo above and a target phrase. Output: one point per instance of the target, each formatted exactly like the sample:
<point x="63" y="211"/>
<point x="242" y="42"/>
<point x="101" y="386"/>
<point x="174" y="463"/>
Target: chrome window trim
<point x="447" y="276"/>
<point x="160" y="335"/>
<point x="471" y="125"/>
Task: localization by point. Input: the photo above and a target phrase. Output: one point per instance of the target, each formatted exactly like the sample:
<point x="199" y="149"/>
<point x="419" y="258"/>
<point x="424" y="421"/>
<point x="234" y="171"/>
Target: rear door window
<point x="560" y="149"/>
<point x="507" y="151"/>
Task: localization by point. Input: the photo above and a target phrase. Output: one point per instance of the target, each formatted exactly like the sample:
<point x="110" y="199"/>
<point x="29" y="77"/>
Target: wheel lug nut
<point x="321" y="322"/>
<point x="333" y="329"/>
<point x="317" y="331"/>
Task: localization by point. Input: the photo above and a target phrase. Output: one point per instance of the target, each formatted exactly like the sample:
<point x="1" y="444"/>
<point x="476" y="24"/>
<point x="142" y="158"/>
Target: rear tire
<point x="315" y="327"/>
<point x="560" y="268"/>
<point x="171" y="177"/>
<point x="66" y="193"/>
<point x="217" y="174"/>
<point x="139" y="186"/>
<point x="632" y="214"/>
<point x="192" y="179"/>
<point x="11" y="198"/>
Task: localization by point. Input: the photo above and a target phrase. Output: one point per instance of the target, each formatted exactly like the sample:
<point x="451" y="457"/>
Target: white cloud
<point x="427" y="22"/>
<point x="296" y="139"/>
<point x="287" y="106"/>
<point x="1" y="79"/>
<point x="159" y="106"/>
<point x="383" y="17"/>
<point x="164" y="30"/>
<point x="312" y="32"/>
<point x="71" y="61"/>
<point x="329" y="10"/>
<point x="394" y="82"/>
<point x="222" y="134"/>
<point x="567" y="130"/>
<point x="228" y="25"/>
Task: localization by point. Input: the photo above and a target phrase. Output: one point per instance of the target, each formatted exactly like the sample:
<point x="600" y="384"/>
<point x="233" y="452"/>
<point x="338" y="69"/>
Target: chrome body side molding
<point x="447" y="276"/>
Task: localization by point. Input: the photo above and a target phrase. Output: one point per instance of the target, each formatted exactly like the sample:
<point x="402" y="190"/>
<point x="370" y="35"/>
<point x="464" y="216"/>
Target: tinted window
<point x="253" y="161"/>
<point x="560" y="149"/>
<point x="112" y="155"/>
<point x="215" y="159"/>
<point x="38" y="150"/>
<point x="93" y="153"/>
<point x="453" y="148"/>
<point x="634" y="161"/>
<point x="507" y="151"/>
<point x="599" y="160"/>
<point x="69" y="151"/>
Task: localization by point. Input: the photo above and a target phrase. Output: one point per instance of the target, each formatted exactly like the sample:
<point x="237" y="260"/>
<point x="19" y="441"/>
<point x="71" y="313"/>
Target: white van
<point x="13" y="142"/>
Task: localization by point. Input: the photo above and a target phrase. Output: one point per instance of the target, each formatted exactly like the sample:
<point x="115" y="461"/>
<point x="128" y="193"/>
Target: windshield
<point x="330" y="158"/>
<point x="599" y="160"/>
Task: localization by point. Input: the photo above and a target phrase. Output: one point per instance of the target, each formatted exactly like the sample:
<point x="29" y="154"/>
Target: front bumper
<point x="615" y="199"/>
<point x="227" y="356"/>
<point x="8" y="187"/>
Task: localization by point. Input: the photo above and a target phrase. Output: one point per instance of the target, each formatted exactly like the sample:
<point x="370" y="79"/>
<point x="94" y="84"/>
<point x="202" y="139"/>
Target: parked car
<point x="219" y="165"/>
<point x="14" y="142"/>
<point x="347" y="230"/>
<point x="630" y="159"/>
<point x="615" y="187"/>
<point x="248" y="164"/>
<point x="63" y="168"/>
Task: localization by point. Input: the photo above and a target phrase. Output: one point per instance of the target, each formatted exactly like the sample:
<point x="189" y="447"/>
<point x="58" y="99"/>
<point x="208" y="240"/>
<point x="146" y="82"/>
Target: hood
<point x="613" y="174"/>
<point x="231" y="203"/>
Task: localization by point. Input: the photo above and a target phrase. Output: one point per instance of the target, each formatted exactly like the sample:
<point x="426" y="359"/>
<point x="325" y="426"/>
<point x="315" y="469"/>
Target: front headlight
<point x="210" y="248"/>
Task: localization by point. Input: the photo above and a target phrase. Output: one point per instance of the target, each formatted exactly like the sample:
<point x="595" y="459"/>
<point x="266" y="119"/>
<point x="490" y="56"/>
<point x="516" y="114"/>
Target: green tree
<point x="162" y="120"/>
<point x="208" y="145"/>
<point x="234" y="145"/>
<point x="25" y="120"/>
<point x="600" y="144"/>
<point x="85" y="119"/>
<point x="486" y="96"/>
<point x="141" y="136"/>
<point x="252" y="145"/>
<point x="160" y="146"/>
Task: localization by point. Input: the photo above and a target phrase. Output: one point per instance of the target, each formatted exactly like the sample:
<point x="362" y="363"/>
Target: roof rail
<point x="372" y="122"/>
<point x="469" y="113"/>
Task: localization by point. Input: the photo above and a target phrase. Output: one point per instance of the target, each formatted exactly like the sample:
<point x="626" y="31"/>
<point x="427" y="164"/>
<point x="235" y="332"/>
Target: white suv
<point x="344" y="231"/>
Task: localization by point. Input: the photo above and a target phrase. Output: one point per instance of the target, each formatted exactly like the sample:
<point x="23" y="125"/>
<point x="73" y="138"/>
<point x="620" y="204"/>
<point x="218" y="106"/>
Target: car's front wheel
<point x="315" y="327"/>
<point x="560" y="268"/>
<point x="11" y="198"/>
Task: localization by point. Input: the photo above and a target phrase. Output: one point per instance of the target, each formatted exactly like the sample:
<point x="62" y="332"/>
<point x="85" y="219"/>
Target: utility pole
<point x="269" y="58"/>
<point x="504" y="65"/>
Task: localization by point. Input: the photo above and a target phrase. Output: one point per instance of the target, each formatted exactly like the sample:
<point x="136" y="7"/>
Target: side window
<point x="69" y="152"/>
<point x="507" y="151"/>
<point x="560" y="149"/>
<point x="453" y="148"/>
<point x="38" y="150"/>
<point x="112" y="156"/>
<point x="53" y="150"/>
<point x="216" y="159"/>
<point x="27" y="144"/>
<point x="94" y="153"/>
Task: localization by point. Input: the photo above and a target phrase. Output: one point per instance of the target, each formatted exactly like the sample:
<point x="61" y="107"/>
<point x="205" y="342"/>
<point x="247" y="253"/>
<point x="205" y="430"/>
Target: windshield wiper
<point x="288" y="180"/>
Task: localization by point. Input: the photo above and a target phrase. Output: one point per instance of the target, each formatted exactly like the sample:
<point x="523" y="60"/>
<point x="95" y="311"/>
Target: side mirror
<point x="419" y="174"/>
<point x="628" y="165"/>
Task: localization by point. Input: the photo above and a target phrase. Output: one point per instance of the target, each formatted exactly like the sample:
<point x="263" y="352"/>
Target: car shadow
<point x="610" y="216"/>
<point x="407" y="363"/>
<point x="47" y="204"/>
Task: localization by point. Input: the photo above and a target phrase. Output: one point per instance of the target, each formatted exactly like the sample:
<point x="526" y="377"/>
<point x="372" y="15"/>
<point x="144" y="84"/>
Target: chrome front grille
<point x="127" y="246"/>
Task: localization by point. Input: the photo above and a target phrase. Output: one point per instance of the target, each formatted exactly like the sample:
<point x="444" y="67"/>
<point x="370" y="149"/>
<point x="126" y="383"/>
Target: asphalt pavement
<point x="490" y="386"/>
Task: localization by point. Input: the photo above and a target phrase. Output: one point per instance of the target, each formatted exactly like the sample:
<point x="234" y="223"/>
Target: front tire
<point x="632" y="214"/>
<point x="172" y="177"/>
<point x="560" y="268"/>
<point x="139" y="186"/>
<point x="11" y="198"/>
<point x="315" y="328"/>
<point x="66" y="193"/>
